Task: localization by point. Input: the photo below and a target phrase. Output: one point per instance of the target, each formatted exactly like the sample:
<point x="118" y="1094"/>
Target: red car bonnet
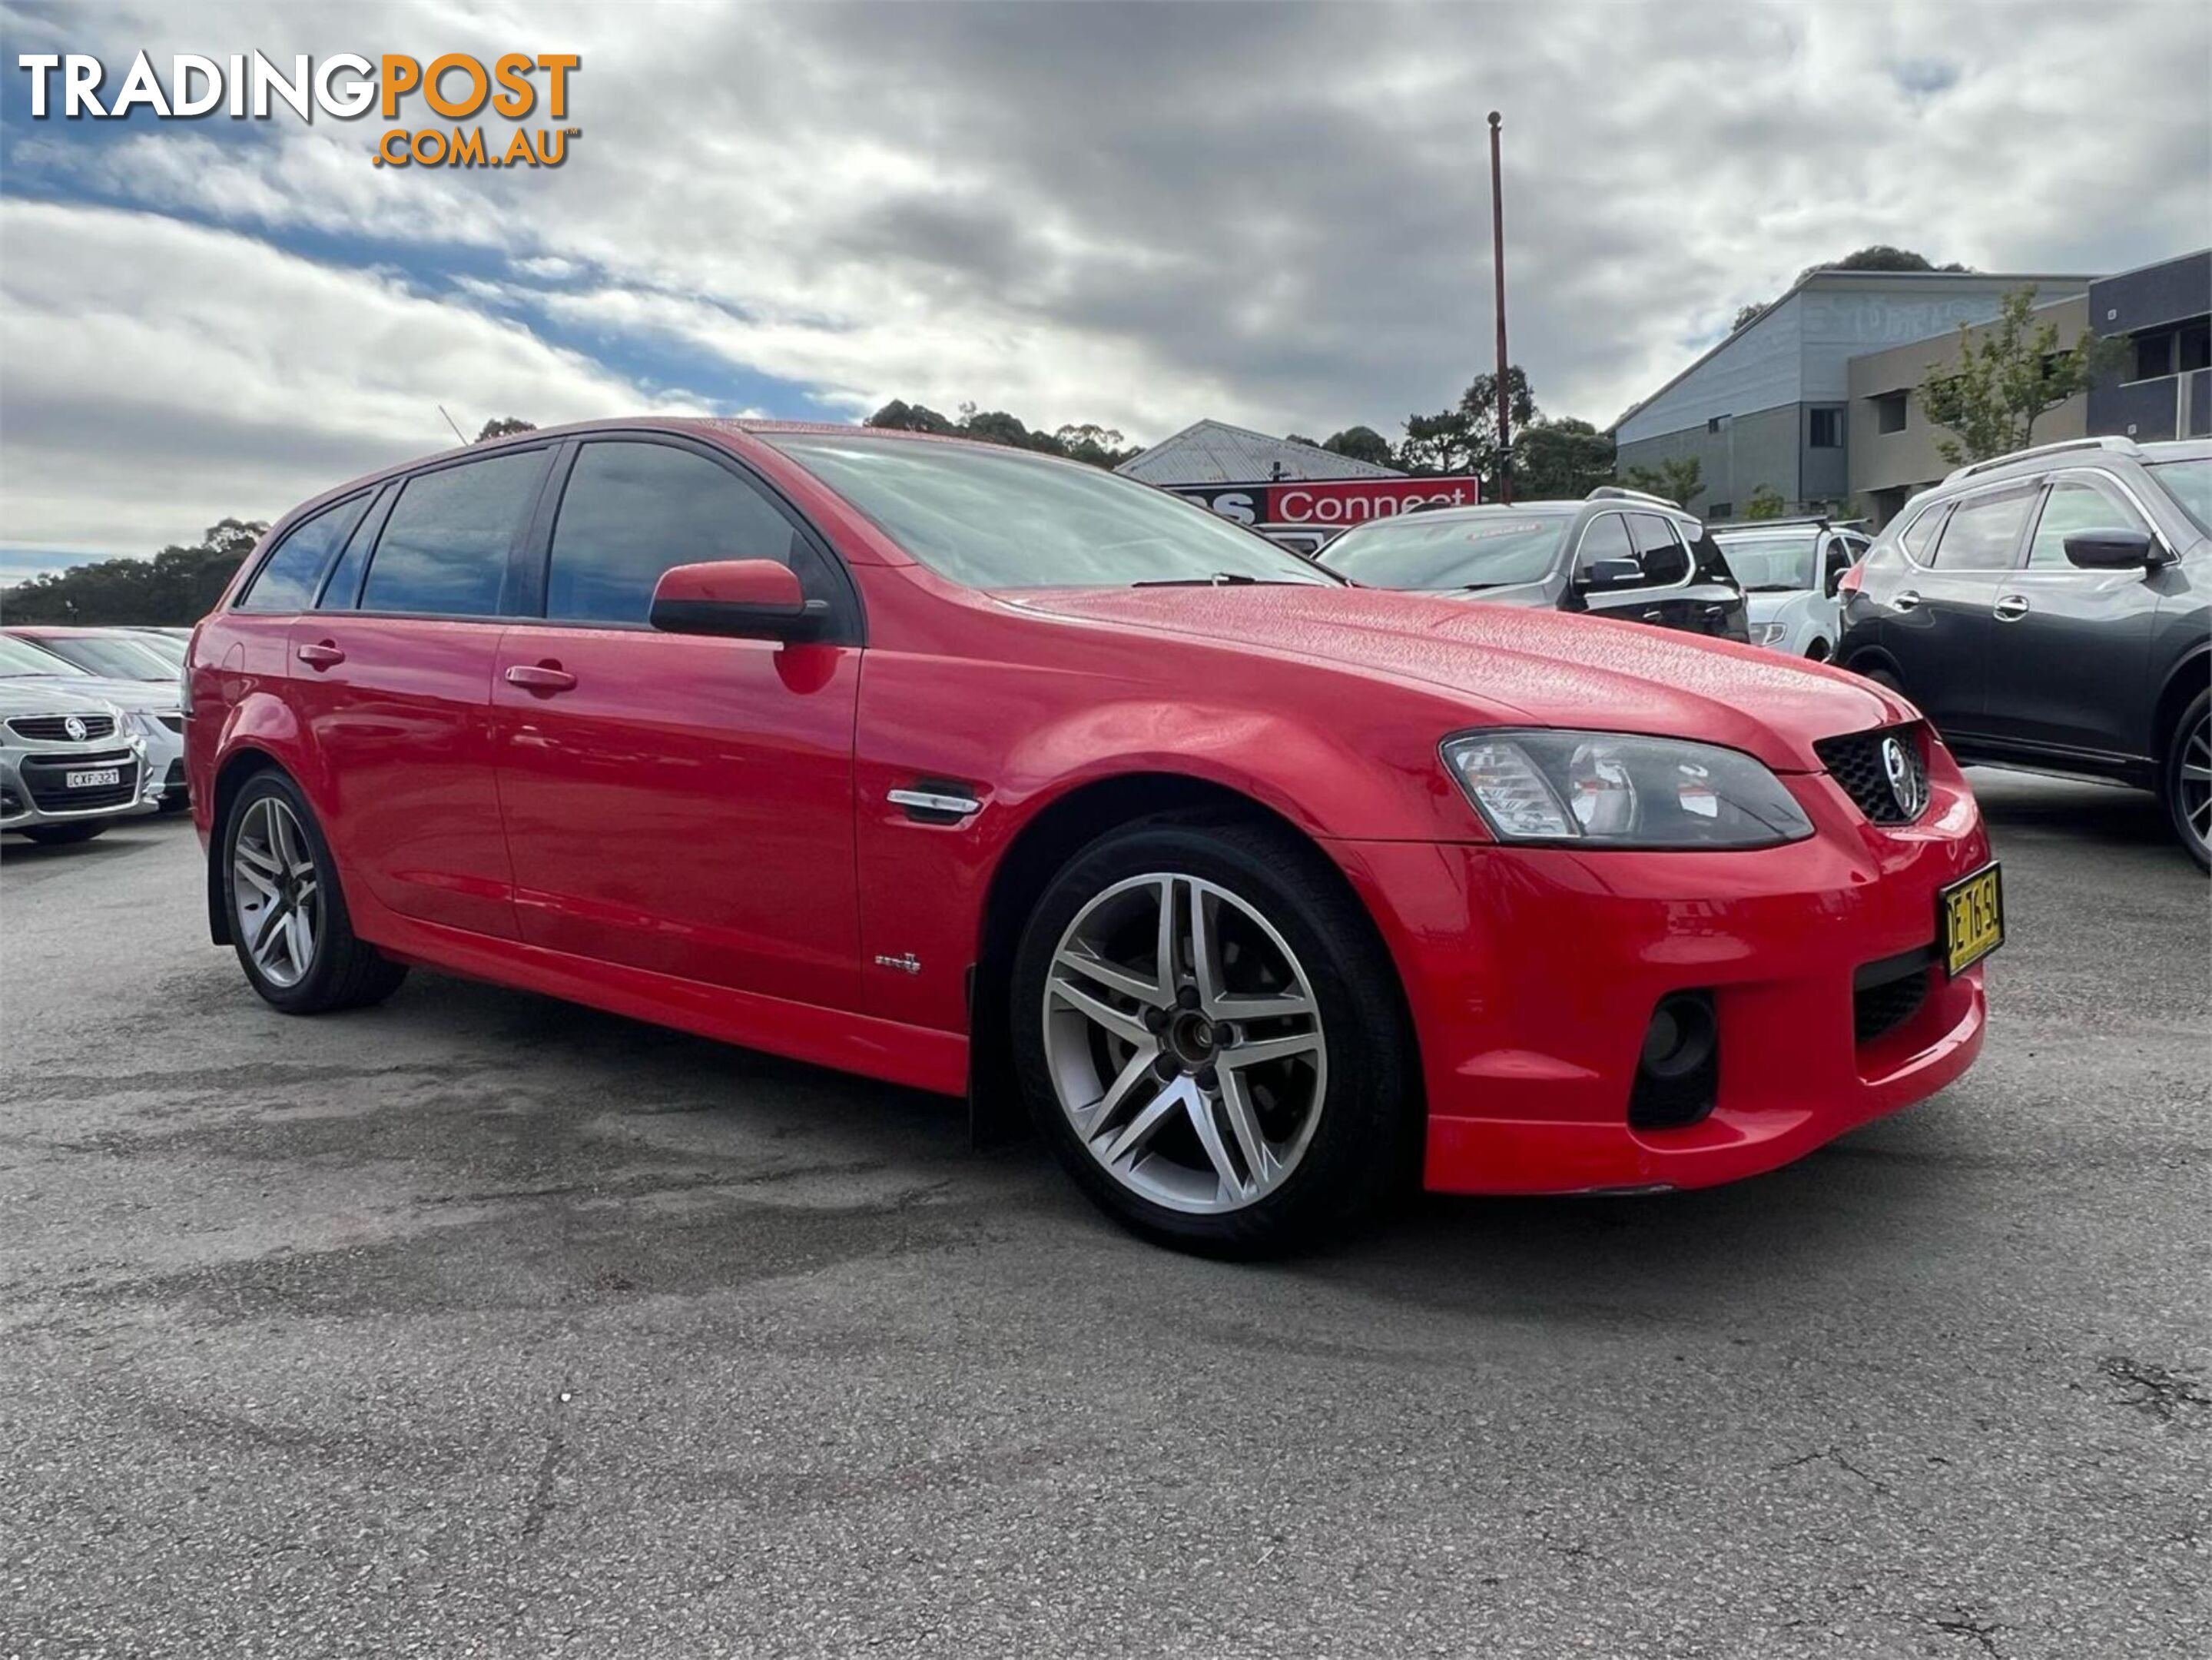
<point x="1514" y="665"/>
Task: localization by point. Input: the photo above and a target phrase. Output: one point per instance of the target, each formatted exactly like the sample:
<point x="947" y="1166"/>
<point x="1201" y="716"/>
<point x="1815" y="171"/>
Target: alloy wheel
<point x="275" y="894"/>
<point x="1185" y="1043"/>
<point x="2193" y="781"/>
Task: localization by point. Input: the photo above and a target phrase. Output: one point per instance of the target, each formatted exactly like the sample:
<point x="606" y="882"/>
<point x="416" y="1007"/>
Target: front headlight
<point x="1610" y="789"/>
<point x="1773" y="634"/>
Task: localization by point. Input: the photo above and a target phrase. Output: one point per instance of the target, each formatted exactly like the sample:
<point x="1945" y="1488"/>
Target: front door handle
<point x="547" y="678"/>
<point x="1653" y="615"/>
<point x="2010" y="607"/>
<point x="322" y="655"/>
<point x="1904" y="601"/>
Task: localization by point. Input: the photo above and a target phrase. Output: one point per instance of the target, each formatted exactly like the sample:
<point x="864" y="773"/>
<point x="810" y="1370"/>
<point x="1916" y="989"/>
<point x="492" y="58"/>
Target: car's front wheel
<point x="1207" y="1030"/>
<point x="288" y="916"/>
<point x="2188" y="781"/>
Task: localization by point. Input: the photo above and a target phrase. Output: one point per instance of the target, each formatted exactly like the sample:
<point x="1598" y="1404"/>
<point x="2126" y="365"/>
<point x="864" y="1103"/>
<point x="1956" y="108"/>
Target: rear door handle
<point x="2010" y="607"/>
<point x="1904" y="601"/>
<point x="321" y="656"/>
<point x="541" y="676"/>
<point x="1652" y="615"/>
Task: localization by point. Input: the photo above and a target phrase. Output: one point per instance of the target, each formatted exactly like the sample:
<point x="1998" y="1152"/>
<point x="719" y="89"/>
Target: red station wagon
<point x="993" y="774"/>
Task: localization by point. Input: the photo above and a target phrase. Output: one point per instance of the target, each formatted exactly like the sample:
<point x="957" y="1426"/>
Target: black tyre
<point x="2186" y="783"/>
<point x="1883" y="677"/>
<point x="288" y="914"/>
<point x="1208" y="1032"/>
<point x="56" y="836"/>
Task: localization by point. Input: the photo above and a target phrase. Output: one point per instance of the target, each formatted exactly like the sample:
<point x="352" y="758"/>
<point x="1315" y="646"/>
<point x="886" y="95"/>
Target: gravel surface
<point x="479" y="1324"/>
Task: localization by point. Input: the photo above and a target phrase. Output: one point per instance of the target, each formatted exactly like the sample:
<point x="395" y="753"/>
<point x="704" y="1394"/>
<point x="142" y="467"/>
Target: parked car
<point x="151" y="709"/>
<point x="2052" y="610"/>
<point x="982" y="771"/>
<point x="68" y="768"/>
<point x="1621" y="553"/>
<point x="1790" y="570"/>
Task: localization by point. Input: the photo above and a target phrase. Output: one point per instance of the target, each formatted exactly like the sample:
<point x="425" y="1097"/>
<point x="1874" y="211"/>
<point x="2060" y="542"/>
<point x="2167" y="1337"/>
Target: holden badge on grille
<point x="1908" y="785"/>
<point x="74" y="727"/>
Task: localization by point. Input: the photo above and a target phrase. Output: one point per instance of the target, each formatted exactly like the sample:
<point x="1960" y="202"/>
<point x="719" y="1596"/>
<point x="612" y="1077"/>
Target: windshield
<point x="2189" y="482"/>
<point x="998" y="519"/>
<point x="19" y="658"/>
<point x="1774" y="564"/>
<point x="112" y="656"/>
<point x="1478" y="550"/>
<point x="166" y="646"/>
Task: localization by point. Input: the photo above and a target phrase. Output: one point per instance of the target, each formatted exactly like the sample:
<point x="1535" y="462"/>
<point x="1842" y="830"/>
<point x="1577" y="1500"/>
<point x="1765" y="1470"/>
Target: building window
<point x="1889" y="411"/>
<point x="2194" y="342"/>
<point x="1715" y="423"/>
<point x="1721" y="510"/>
<point x="1827" y="429"/>
<point x="2154" y="355"/>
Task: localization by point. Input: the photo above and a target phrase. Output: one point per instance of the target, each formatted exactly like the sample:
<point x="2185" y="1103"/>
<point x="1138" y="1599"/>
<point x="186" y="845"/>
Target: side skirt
<point x="917" y="1057"/>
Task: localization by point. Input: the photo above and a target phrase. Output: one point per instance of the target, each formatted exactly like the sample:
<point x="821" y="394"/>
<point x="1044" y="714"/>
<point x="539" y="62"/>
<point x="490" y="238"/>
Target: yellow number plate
<point x="1972" y="914"/>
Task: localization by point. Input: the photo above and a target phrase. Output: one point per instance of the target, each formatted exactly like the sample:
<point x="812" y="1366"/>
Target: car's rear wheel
<point x="2188" y="780"/>
<point x="54" y="835"/>
<point x="1207" y="1030"/>
<point x="288" y="915"/>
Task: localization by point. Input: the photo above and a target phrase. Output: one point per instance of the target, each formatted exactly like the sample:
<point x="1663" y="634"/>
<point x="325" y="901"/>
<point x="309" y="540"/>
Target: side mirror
<point x="2114" y="549"/>
<point x="1610" y="574"/>
<point x="746" y="599"/>
<point x="1832" y="583"/>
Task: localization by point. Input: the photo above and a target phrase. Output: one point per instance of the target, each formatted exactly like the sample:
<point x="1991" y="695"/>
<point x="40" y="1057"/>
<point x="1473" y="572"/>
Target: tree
<point x="1560" y="460"/>
<point x="1360" y="444"/>
<point x="899" y="415"/>
<point x="2005" y="382"/>
<point x="1679" y="479"/>
<point x="1096" y="446"/>
<point x="1464" y="438"/>
<point x="1764" y="502"/>
<point x="176" y="588"/>
<point x="503" y="426"/>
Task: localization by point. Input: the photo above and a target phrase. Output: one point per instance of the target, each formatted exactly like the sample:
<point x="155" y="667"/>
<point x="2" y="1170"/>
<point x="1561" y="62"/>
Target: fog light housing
<point x="1678" y="1071"/>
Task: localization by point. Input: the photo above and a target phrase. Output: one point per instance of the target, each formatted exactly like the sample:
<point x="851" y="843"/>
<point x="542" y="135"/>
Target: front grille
<point x="1886" y="994"/>
<point x="44" y="777"/>
<point x="1857" y="762"/>
<point x="54" y="728"/>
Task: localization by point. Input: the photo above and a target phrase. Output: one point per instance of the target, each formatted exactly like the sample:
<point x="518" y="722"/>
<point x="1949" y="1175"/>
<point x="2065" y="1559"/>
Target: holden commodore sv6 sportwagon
<point x="984" y="772"/>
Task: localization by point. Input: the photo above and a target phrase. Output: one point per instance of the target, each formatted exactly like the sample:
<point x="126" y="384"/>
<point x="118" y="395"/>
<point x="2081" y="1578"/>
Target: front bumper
<point x="31" y="792"/>
<point x="1532" y="976"/>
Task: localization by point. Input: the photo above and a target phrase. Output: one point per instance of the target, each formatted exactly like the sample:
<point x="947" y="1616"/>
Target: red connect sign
<point x="1330" y="504"/>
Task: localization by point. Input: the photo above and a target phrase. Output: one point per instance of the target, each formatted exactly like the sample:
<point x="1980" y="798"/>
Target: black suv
<point x="1621" y="553"/>
<point x="2053" y="609"/>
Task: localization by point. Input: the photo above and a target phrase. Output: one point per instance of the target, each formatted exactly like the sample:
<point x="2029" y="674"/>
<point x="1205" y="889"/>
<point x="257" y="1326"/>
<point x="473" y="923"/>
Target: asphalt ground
<point x="481" y="1324"/>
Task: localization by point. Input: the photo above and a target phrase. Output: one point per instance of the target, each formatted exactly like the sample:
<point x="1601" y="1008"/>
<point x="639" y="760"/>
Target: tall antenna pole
<point x="463" y="437"/>
<point x="1498" y="256"/>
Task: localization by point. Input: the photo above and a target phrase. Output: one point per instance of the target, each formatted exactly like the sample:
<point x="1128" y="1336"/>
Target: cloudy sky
<point x="1136" y="215"/>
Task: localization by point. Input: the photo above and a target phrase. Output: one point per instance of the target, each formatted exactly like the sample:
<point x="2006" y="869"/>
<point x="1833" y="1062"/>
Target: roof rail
<point x="2110" y="441"/>
<point x="1792" y="522"/>
<point x="1622" y="493"/>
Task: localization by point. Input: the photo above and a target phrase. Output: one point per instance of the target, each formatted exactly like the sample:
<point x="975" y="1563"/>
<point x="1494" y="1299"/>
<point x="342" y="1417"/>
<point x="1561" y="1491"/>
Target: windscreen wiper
<point x="1220" y="579"/>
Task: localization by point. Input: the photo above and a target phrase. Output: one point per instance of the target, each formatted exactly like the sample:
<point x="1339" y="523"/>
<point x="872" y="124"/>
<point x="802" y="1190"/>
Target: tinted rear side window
<point x="444" y="549"/>
<point x="632" y="510"/>
<point x="287" y="582"/>
<point x="1983" y="534"/>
